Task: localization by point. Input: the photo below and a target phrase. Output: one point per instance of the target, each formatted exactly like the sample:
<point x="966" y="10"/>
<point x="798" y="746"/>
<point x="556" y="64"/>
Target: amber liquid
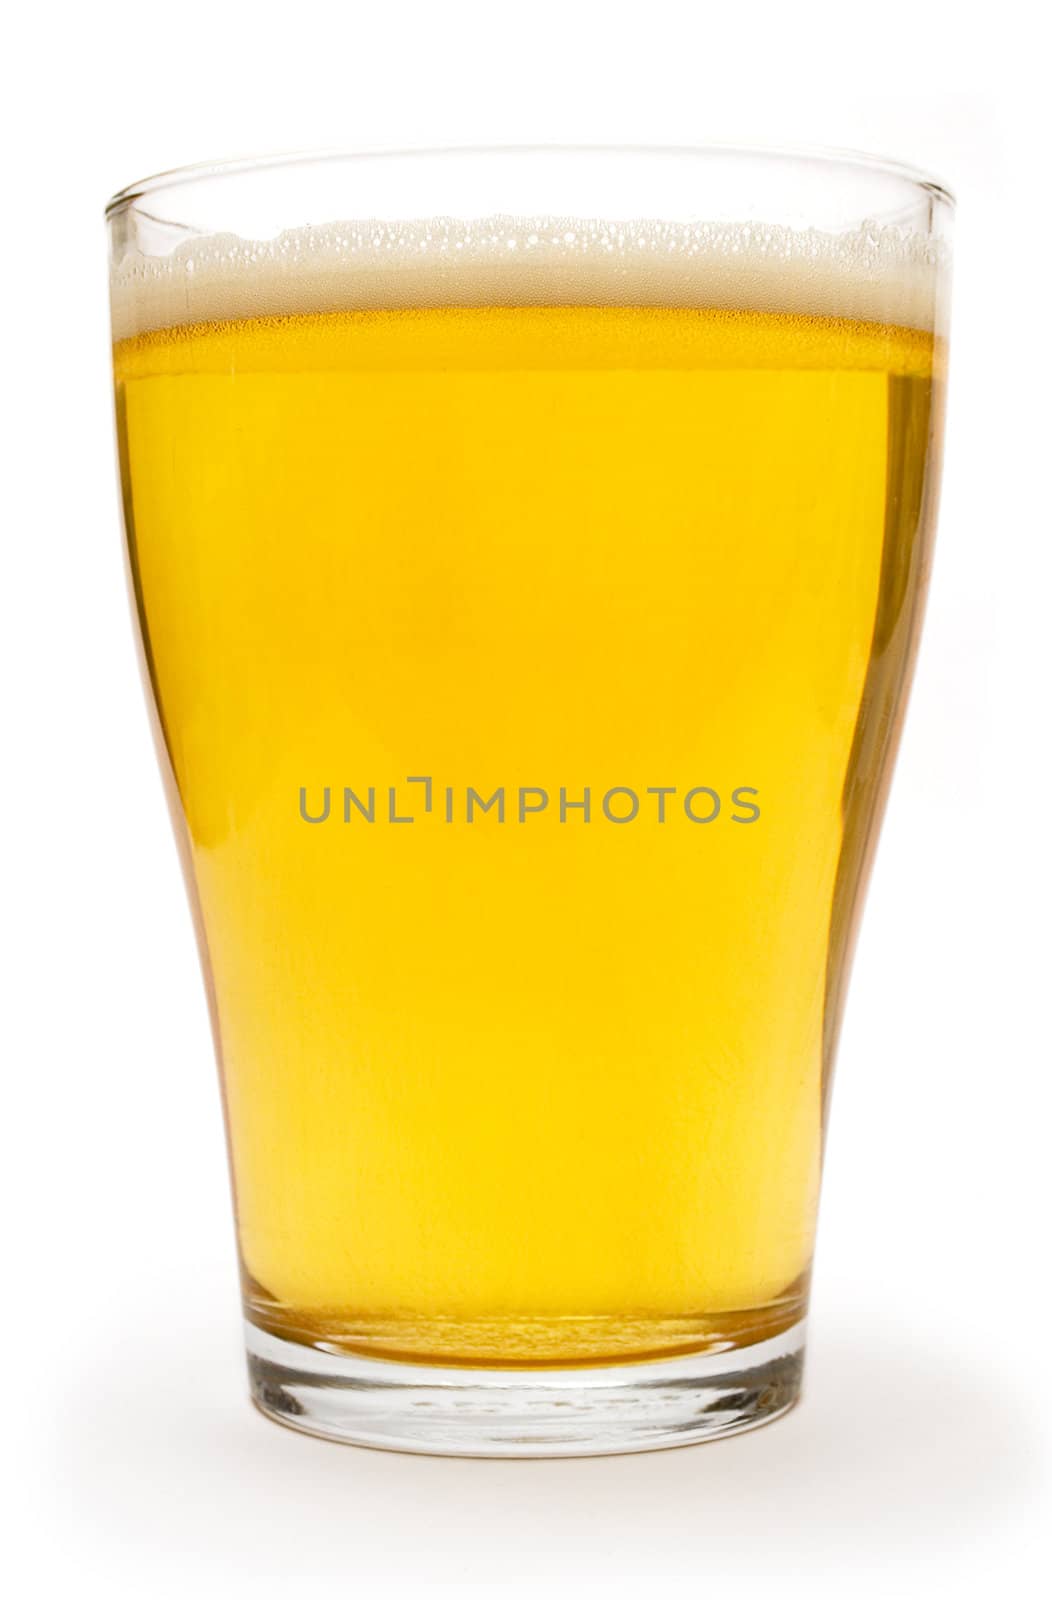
<point x="545" y="1087"/>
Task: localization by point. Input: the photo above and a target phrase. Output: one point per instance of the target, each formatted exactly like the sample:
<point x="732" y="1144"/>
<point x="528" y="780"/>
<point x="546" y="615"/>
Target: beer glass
<point x="528" y="551"/>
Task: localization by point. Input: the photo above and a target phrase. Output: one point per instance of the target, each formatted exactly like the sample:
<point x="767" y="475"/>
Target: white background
<point x="917" y="1460"/>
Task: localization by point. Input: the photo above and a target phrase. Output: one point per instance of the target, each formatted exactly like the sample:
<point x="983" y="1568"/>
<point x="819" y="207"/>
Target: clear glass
<point x="528" y="550"/>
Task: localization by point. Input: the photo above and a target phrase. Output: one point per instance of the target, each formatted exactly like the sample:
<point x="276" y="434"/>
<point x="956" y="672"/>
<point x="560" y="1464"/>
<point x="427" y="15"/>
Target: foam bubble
<point x="878" y="274"/>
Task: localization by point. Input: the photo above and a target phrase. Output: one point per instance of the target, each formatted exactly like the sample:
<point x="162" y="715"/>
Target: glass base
<point x="479" y="1411"/>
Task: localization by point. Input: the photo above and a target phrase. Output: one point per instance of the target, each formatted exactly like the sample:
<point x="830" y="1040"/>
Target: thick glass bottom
<point x="489" y="1411"/>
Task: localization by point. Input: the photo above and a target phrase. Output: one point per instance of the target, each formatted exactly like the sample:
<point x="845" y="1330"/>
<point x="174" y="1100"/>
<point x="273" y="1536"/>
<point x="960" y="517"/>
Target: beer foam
<point x="874" y="274"/>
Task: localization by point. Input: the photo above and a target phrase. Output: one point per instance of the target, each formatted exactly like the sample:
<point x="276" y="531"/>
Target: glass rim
<point x="238" y="166"/>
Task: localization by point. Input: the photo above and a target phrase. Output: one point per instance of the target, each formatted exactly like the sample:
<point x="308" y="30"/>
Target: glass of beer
<point x="528" y="551"/>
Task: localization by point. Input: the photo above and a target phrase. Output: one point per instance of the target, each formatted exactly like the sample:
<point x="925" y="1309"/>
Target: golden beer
<point x="528" y="674"/>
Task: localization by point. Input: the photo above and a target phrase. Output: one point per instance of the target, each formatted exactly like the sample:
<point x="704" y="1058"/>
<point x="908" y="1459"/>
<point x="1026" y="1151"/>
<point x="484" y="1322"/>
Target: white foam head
<point x="876" y="274"/>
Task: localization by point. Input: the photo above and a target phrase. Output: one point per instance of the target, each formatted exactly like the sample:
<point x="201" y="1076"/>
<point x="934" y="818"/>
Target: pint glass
<point x="528" y="551"/>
